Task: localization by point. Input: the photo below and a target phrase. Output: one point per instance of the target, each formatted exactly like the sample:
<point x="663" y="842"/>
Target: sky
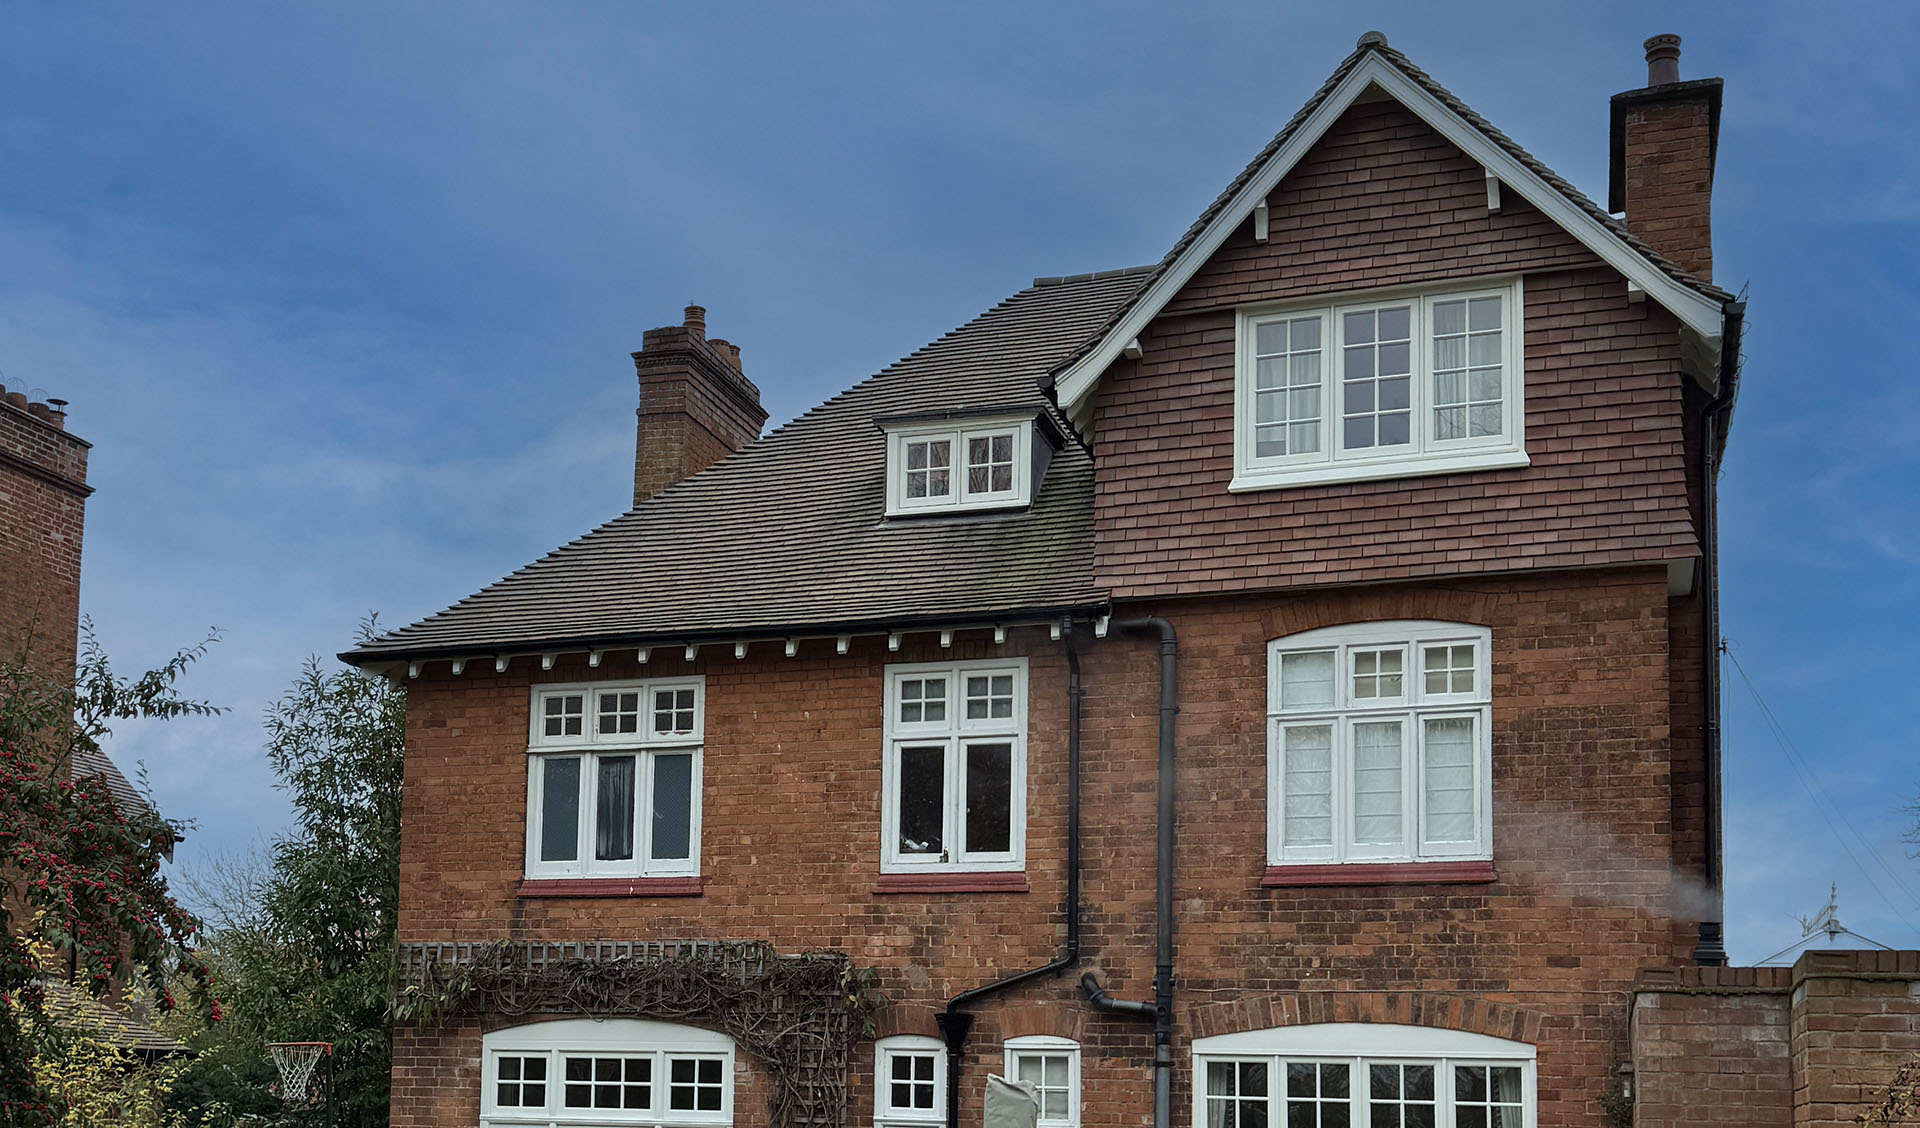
<point x="343" y="296"/>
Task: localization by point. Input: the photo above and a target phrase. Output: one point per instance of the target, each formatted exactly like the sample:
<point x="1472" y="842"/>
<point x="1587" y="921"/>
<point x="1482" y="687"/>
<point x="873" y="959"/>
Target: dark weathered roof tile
<point x="789" y="531"/>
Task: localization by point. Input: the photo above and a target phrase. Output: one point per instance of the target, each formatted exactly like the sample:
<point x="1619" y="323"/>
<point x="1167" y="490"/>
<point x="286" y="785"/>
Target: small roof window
<point x="939" y="464"/>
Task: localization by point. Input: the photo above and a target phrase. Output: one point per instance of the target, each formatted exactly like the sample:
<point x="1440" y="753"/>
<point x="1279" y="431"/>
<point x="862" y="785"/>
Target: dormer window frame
<point x="969" y="443"/>
<point x="1415" y="380"/>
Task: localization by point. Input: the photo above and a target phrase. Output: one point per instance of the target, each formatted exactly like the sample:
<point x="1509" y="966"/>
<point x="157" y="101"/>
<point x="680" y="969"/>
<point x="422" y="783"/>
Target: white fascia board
<point x="1701" y="317"/>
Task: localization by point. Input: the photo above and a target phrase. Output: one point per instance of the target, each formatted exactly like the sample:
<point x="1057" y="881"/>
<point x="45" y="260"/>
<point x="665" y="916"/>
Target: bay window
<point x="613" y="780"/>
<point x="1362" y="1075"/>
<point x="1400" y="384"/>
<point x="1377" y="744"/>
<point x="578" y="1072"/>
<point x="954" y="769"/>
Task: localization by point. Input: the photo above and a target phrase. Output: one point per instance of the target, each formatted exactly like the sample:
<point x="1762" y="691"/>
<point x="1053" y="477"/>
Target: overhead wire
<point x="1823" y="800"/>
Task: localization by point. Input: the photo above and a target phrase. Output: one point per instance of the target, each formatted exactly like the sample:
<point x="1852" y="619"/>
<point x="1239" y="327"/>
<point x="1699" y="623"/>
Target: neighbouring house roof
<point x="788" y="531"/>
<point x="90" y="762"/>
<point x="73" y="1008"/>
<point x="1374" y="65"/>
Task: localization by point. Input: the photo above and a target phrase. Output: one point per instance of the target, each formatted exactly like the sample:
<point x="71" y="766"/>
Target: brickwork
<point x="436" y="1078"/>
<point x="43" y="492"/>
<point x="1668" y="178"/>
<point x="790" y="842"/>
<point x="1811" y="1046"/>
<point x="1382" y="200"/>
<point x="695" y="405"/>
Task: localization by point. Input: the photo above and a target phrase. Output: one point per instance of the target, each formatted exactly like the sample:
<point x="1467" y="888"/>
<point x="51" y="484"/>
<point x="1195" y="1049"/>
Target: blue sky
<point x="343" y="296"/>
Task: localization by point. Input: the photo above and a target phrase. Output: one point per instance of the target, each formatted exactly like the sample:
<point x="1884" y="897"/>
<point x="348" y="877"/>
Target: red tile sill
<point x="611" y="887"/>
<point x="951" y="883"/>
<point x="1380" y="873"/>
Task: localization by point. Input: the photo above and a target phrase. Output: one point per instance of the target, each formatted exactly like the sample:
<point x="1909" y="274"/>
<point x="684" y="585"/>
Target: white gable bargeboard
<point x="1701" y="316"/>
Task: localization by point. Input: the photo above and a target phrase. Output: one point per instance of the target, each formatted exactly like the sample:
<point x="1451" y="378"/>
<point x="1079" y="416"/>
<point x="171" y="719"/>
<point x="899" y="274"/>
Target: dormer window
<point x="1386" y="384"/>
<point x="959" y="463"/>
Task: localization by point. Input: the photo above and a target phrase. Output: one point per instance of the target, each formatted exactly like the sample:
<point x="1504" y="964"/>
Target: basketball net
<point x="298" y="1063"/>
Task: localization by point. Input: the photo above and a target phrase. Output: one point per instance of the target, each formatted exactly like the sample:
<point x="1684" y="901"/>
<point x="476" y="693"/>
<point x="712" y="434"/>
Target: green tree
<point x="79" y="874"/>
<point x="303" y="950"/>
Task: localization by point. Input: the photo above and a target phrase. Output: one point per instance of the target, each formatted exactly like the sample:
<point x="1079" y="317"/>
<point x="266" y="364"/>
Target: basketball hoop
<point x="299" y="1066"/>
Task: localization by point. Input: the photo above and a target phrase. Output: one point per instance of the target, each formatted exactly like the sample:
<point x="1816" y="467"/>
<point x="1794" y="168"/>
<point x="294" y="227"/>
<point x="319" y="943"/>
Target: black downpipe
<point x="1710" y="949"/>
<point x="1161" y="1009"/>
<point x="955" y="1023"/>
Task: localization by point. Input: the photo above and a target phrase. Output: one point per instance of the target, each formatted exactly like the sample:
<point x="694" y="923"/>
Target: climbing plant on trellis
<point x="796" y="1013"/>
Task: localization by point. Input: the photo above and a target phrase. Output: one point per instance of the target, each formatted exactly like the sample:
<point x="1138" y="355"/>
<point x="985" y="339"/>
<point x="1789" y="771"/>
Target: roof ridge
<point x="1400" y="61"/>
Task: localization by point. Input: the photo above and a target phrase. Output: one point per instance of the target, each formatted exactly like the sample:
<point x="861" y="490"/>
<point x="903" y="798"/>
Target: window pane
<point x="1306" y="680"/>
<point x="923" y="772"/>
<point x="1378" y="674"/>
<point x="989" y="798"/>
<point x="613" y="810"/>
<point x="1307" y="785"/>
<point x="1377" y="757"/>
<point x="1450" y="669"/>
<point x="1376" y="366"/>
<point x="1449" y="783"/>
<point x="560" y="809"/>
<point x="619" y="713"/>
<point x="1289" y="419"/>
<point x="672" y="806"/>
<point x="563" y="715"/>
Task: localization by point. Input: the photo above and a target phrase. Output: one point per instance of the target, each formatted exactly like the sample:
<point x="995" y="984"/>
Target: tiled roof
<point x="1453" y="103"/>
<point x="788" y="532"/>
<point x="88" y="762"/>
<point x="73" y="1008"/>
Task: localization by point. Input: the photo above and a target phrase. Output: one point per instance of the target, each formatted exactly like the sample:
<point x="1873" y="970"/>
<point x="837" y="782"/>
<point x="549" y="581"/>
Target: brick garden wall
<point x="790" y="845"/>
<point x="1811" y="1046"/>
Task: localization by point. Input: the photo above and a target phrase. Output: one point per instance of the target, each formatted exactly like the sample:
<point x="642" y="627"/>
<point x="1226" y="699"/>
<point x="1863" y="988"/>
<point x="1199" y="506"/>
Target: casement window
<point x="1377" y="744"/>
<point x="1371" y="1075"/>
<point x="1391" y="385"/>
<point x="954" y="773"/>
<point x="959" y="465"/>
<point x="909" y="1081"/>
<point x="580" y="1072"/>
<point x="613" y="779"/>
<point x="1052" y="1067"/>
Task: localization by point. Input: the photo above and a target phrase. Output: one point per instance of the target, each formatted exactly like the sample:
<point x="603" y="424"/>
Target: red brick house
<point x="1262" y="687"/>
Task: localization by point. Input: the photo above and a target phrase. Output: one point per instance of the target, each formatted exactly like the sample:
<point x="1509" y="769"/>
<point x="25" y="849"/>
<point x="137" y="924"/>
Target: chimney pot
<point x="1663" y="60"/>
<point x="696" y="319"/>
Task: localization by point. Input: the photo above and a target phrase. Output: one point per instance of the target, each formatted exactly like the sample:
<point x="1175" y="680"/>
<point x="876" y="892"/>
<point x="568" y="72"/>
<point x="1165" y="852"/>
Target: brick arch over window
<point x="1332" y="609"/>
<point x="1053" y="1020"/>
<point x="1407" y="1008"/>
<point x="905" y="1018"/>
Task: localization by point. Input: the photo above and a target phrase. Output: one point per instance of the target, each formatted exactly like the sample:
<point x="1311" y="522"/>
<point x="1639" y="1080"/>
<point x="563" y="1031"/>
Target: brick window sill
<point x="611" y="887"/>
<point x="1380" y="873"/>
<point x="951" y="883"/>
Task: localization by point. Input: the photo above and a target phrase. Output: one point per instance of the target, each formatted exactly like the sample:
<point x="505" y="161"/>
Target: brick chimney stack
<point x="1661" y="169"/>
<point x="695" y="405"/>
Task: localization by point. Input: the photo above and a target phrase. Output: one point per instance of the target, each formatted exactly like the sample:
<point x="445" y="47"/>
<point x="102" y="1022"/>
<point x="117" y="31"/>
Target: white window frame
<point x="898" y="1045"/>
<point x="960" y="498"/>
<point x="662" y="1042"/>
<point x="1359" y="1045"/>
<point x="953" y="733"/>
<point x="1424" y="454"/>
<point x="590" y="743"/>
<point x="1414" y="707"/>
<point x="1047" y="1045"/>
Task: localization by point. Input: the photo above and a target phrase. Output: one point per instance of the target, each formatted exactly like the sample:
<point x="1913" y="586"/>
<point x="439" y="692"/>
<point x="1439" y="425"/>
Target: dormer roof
<point x="1376" y="70"/>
